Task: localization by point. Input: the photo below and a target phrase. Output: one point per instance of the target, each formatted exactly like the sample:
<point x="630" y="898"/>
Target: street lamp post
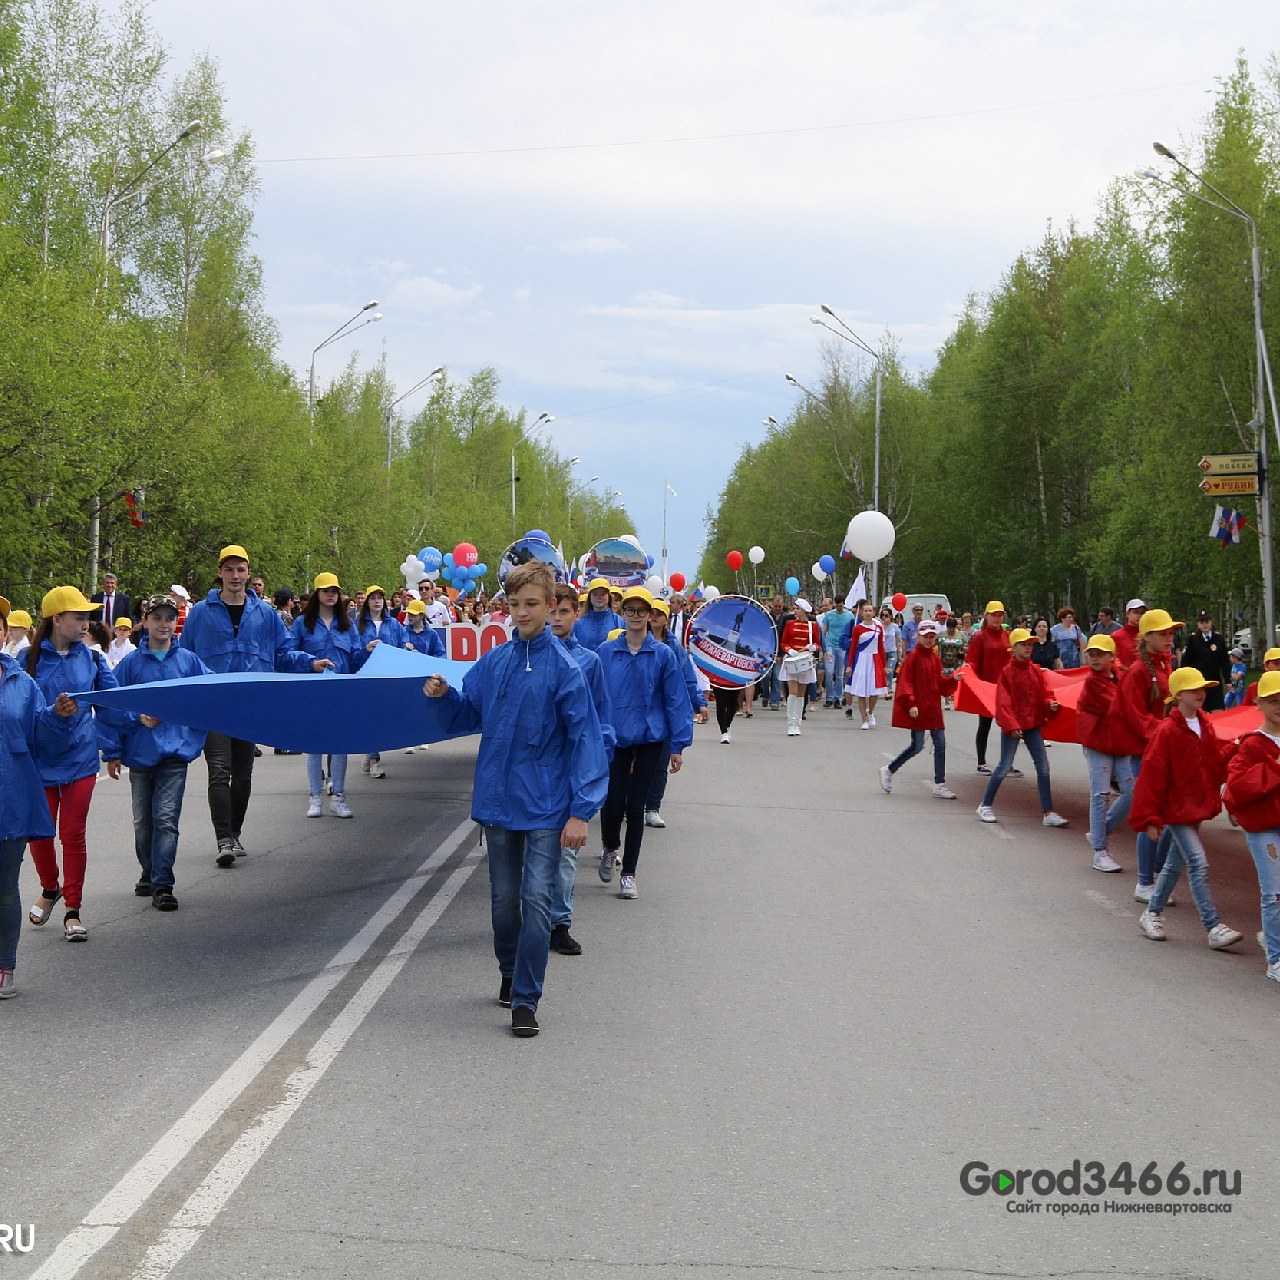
<point x="1266" y="386"/>
<point x="342" y="331"/>
<point x="666" y="488"/>
<point x="576" y="489"/>
<point x="541" y="420"/>
<point x="417" y="386"/>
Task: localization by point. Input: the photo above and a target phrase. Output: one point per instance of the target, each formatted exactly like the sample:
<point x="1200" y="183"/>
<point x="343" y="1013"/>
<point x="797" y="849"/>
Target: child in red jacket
<point x="1253" y="799"/>
<point x="1182" y="771"/>
<point x="918" y="707"/>
<point x="1102" y="751"/>
<point x="1023" y="704"/>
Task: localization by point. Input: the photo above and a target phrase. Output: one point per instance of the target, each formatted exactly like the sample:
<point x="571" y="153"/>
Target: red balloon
<point x="677" y="581"/>
<point x="734" y="560"/>
<point x="899" y="601"/>
<point x="466" y="555"/>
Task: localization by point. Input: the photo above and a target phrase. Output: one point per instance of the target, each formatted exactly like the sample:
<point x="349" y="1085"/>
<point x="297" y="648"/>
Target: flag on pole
<point x="1226" y="525"/>
<point x="858" y="591"/>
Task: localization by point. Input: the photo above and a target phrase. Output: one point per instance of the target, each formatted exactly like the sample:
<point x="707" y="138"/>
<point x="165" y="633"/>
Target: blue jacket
<point x="593" y="630"/>
<point x="696" y="697"/>
<point x="342" y="648"/>
<point x="144" y="748"/>
<point x="425" y="641"/>
<point x="389" y="631"/>
<point x="261" y="643"/>
<point x="593" y="674"/>
<point x="74" y="755"/>
<point x="26" y="722"/>
<point x="541" y="758"/>
<point x="647" y="693"/>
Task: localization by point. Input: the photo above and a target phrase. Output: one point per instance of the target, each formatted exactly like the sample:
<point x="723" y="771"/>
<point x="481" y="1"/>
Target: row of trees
<point x="136" y="358"/>
<point x="1049" y="456"/>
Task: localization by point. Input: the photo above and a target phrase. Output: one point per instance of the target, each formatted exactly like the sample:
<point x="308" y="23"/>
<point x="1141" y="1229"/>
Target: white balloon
<point x="414" y="570"/>
<point x="653" y="584"/>
<point x="632" y="539"/>
<point x="711" y="593"/>
<point x="870" y="535"/>
<point x="818" y="572"/>
<point x="432" y="574"/>
<point x="756" y="555"/>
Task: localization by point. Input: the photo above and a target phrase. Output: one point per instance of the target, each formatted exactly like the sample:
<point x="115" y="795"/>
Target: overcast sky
<point x="652" y="295"/>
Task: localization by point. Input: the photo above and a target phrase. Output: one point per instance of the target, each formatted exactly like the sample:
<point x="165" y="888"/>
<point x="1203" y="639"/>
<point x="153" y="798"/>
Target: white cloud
<point x="595" y="244"/>
<point x="423" y="293"/>
<point x="522" y="295"/>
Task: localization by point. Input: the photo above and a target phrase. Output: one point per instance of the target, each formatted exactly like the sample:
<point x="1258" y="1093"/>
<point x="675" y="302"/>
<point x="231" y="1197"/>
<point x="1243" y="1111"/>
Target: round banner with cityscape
<point x="623" y="563"/>
<point x="732" y="641"/>
<point x="524" y="550"/>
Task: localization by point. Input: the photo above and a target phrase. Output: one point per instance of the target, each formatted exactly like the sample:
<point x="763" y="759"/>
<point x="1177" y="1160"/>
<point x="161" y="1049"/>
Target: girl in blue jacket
<point x="26" y="722"/>
<point x="325" y="631"/>
<point x="651" y="707"/>
<point x="375" y="626"/>
<point x="60" y="662"/>
<point x="593" y="628"/>
<point x="157" y="753"/>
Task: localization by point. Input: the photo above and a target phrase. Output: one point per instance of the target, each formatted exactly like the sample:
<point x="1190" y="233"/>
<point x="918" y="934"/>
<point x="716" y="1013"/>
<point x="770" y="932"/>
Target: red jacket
<point x="1126" y="646"/>
<point x="1252" y="796"/>
<point x="1139" y="706"/>
<point x="1180" y="777"/>
<point x="1022" y="697"/>
<point x="800" y="635"/>
<point x="988" y="653"/>
<point x="921" y="684"/>
<point x="1093" y="713"/>
<point x="1251" y="700"/>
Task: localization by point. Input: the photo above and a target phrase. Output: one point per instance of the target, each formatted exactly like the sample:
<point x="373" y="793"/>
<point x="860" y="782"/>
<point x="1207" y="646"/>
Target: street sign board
<point x="1231" y="464"/>
<point x="764" y="591"/>
<point x="1230" y="486"/>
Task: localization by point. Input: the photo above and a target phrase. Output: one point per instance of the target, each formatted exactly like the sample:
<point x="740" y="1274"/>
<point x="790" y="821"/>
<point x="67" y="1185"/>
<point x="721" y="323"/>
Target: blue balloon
<point x="649" y="562"/>
<point x="474" y="571"/>
<point x="793" y="586"/>
<point x="448" y="560"/>
<point x="827" y="564"/>
<point x="431" y="558"/>
<point x="539" y="533"/>
<point x="481" y="570"/>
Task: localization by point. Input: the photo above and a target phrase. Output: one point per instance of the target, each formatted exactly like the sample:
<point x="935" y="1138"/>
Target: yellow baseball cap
<point x="415" y="606"/>
<point x="1271" y="655"/>
<point x="1187" y="678"/>
<point x="615" y="633"/>
<point x="370" y="590"/>
<point x="122" y="624"/>
<point x="596" y="583"/>
<point x="233" y="552"/>
<point x="66" y="600"/>
<point x="1269" y="685"/>
<point x="638" y="593"/>
<point x="994" y="606"/>
<point x="1018" y="634"/>
<point x="663" y="606"/>
<point x="18" y="617"/>
<point x="1158" y="620"/>
<point x="4" y="608"/>
<point x="1105" y="643"/>
<point x="327" y="580"/>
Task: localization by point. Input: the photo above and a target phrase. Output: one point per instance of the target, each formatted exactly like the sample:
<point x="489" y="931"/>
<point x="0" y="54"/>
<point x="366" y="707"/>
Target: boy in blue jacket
<point x="541" y="775"/>
<point x="157" y="753"/>
<point x="563" y="616"/>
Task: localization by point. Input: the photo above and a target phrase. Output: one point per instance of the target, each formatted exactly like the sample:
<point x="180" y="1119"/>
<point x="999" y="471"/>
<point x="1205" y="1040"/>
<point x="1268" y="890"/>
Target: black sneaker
<point x="563" y="942"/>
<point x="237" y="848"/>
<point x="848" y="713"/>
<point x="982" y="768"/>
<point x="523" y="1023"/>
<point x="143" y="888"/>
<point x="163" y="899"/>
<point x="226" y="854"/>
<point x="504" y="993"/>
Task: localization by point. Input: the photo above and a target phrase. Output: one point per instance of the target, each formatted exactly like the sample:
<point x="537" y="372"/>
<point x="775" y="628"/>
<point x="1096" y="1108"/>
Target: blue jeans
<point x="771" y="691"/>
<point x="1034" y="743"/>
<point x="566" y="879"/>
<point x="10" y="903"/>
<point x="524" y="868"/>
<point x="337" y="774"/>
<point x="1265" y="847"/>
<point x="833" y="661"/>
<point x="1103" y="820"/>
<point x="1151" y="853"/>
<point x="916" y="746"/>
<point x="1185" y="848"/>
<point x="157" y="806"/>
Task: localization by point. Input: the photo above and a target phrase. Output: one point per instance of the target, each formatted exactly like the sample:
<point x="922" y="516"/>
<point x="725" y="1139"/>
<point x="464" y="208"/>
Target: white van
<point x="930" y="602"/>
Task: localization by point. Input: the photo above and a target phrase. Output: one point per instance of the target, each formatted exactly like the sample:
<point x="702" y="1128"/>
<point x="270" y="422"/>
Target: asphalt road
<point x="776" y="1062"/>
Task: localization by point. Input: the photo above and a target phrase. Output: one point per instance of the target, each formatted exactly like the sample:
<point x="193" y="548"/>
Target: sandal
<point x="72" y="929"/>
<point x="39" y="915"/>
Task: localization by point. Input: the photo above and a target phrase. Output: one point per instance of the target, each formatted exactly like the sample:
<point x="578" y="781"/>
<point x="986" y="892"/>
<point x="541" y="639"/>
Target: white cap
<point x="928" y="625"/>
<point x="802" y="603"/>
<point x="1135" y="603"/>
<point x="176" y="590"/>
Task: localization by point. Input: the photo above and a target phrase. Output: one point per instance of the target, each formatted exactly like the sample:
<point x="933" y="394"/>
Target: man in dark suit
<point x="114" y="603"/>
<point x="1208" y="652"/>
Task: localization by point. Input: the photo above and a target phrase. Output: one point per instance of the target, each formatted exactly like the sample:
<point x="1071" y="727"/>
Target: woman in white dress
<point x="868" y="678"/>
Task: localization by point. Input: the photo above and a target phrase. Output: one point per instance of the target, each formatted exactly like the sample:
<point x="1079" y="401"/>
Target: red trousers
<point x="69" y="806"/>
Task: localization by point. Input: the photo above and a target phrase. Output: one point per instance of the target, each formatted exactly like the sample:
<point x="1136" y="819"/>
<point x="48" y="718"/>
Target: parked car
<point x="930" y="602"/>
<point x="1244" y="639"/>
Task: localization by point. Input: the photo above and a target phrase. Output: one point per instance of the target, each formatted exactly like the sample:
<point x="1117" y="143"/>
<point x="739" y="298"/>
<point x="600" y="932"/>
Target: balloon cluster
<point x="461" y="567"/>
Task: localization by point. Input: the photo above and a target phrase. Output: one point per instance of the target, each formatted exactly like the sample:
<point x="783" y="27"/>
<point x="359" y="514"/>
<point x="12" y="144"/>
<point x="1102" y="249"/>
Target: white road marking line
<point x="211" y="1196"/>
<point x="1107" y="905"/>
<point x="137" y="1186"/>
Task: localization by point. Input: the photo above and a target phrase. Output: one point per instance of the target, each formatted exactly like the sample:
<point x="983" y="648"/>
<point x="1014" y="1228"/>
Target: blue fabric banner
<point x="380" y="708"/>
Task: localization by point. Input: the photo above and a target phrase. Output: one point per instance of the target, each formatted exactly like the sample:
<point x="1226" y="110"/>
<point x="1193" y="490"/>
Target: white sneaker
<point x="886" y="778"/>
<point x="1152" y="926"/>
<point x="793" y="731"/>
<point x="726" y="737"/>
<point x="1262" y="940"/>
<point x="652" y="818"/>
<point x="986" y="813"/>
<point x="1142" y="892"/>
<point x="408" y="751"/>
<point x="1222" y="935"/>
<point x="1273" y="972"/>
<point x="376" y="770"/>
<point x="871" y="720"/>
<point x="606" y="865"/>
<point x="364" y="766"/>
<point x="627" y="887"/>
<point x="1052" y="819"/>
<point x="424" y="746"/>
<point x="315" y="806"/>
<point x="340" y="808"/>
<point x="864" y="725"/>
<point x="1105" y="862"/>
<point x="943" y="792"/>
<point x="7" y="989"/>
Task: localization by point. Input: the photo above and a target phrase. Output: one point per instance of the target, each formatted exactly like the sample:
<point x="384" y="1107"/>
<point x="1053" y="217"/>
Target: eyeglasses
<point x="634" y="612"/>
